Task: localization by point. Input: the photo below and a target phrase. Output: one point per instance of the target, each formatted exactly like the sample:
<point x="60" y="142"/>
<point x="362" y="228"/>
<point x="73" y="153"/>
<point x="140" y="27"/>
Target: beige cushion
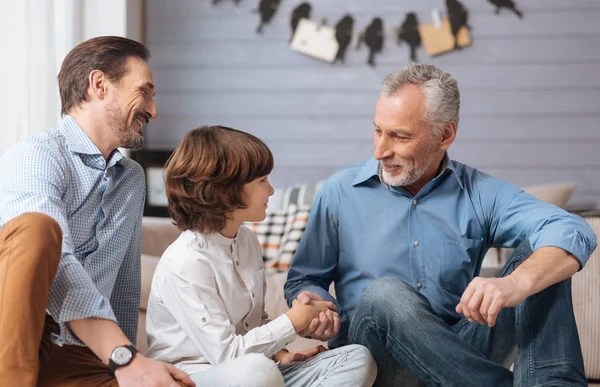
<point x="157" y="235"/>
<point x="557" y="194"/>
<point x="586" y="305"/>
<point x="141" y="343"/>
<point x="149" y="263"/>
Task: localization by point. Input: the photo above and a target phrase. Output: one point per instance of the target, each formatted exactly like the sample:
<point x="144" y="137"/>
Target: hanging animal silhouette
<point x="409" y="33"/>
<point x="373" y="38"/>
<point x="302" y="11"/>
<point x="510" y="4"/>
<point x="237" y="2"/>
<point x="344" y="29"/>
<point x="267" y="9"/>
<point x="459" y="17"/>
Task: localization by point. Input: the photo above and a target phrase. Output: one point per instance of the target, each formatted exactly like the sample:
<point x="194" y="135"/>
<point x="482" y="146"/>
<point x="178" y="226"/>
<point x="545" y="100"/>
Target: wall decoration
<point x="316" y="40"/>
<point x="437" y="37"/>
<point x="458" y="15"/>
<point x="344" y="29"/>
<point x="373" y="37"/>
<point x="510" y="4"/>
<point x="409" y="33"/>
<point x="267" y="9"/>
<point x="302" y="11"/>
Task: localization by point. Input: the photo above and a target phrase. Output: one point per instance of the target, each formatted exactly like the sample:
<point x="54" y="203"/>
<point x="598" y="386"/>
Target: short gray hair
<point x="442" y="98"/>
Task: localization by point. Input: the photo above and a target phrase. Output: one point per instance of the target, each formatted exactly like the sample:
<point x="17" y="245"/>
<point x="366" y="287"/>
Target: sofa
<point x="158" y="233"/>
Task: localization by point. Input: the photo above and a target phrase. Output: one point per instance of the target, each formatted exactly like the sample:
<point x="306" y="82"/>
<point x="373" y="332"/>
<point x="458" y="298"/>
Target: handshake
<point x="312" y="316"/>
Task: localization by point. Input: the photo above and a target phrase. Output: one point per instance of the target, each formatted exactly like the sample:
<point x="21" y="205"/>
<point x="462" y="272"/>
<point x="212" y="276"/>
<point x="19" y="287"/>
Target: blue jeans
<point x="351" y="365"/>
<point x="412" y="345"/>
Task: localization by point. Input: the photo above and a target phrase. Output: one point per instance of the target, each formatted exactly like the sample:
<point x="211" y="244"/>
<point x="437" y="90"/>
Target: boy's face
<point x="256" y="196"/>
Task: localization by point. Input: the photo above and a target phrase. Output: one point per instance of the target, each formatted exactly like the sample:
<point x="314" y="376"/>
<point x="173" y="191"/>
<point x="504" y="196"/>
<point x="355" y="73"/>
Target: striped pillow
<point x="297" y="217"/>
<point x="269" y="233"/>
<point x="300" y="194"/>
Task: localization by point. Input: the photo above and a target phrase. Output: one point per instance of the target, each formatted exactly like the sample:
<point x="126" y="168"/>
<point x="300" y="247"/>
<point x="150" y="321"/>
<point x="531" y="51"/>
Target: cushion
<point x="557" y="194"/>
<point x="299" y="194"/>
<point x="269" y="233"/>
<point x="586" y="306"/>
<point x="149" y="263"/>
<point x="297" y="217"/>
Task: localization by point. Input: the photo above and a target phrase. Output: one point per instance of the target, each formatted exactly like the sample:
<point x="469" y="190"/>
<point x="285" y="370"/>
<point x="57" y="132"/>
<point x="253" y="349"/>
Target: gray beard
<point x="406" y="176"/>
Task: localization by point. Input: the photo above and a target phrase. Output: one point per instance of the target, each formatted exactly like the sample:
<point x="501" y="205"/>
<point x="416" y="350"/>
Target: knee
<point x="360" y="358"/>
<point x="39" y="232"/>
<point x="39" y="224"/>
<point x="260" y="371"/>
<point x="387" y="294"/>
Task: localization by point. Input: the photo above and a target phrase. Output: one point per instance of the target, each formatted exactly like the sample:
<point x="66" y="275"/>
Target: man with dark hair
<point x="70" y="217"/>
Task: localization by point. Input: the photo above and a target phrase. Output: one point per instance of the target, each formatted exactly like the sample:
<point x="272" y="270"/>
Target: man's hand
<point x="285" y="357"/>
<point x="145" y="372"/>
<point x="326" y="326"/>
<point x="485" y="297"/>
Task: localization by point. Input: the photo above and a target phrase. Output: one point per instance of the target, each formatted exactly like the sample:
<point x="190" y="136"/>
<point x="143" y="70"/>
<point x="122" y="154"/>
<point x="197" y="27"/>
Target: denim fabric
<point x="411" y="343"/>
<point x="351" y="365"/>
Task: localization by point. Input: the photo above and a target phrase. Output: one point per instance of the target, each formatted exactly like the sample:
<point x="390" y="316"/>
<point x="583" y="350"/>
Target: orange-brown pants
<point x="30" y="249"/>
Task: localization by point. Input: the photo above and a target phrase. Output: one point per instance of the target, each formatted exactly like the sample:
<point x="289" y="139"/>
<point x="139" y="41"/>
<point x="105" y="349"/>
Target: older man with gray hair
<point x="403" y="236"/>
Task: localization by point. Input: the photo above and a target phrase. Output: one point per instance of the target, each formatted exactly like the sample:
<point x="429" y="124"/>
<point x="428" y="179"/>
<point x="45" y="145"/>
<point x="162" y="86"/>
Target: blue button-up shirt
<point x="360" y="229"/>
<point x="98" y="205"/>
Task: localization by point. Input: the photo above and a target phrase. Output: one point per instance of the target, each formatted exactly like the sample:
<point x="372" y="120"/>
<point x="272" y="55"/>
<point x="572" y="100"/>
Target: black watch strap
<point x="112" y="366"/>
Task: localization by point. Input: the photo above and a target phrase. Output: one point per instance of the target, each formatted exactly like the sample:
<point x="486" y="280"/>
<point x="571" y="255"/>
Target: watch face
<point x="121" y="356"/>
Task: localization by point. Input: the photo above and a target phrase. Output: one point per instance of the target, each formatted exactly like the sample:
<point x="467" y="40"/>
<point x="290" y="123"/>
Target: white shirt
<point x="206" y="303"/>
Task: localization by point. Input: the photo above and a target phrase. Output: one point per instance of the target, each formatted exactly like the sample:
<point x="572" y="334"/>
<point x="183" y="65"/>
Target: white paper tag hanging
<point x="316" y="40"/>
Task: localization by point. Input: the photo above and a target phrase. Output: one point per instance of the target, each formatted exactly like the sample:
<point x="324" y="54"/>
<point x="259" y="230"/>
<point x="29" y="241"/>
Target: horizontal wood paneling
<point x="530" y="88"/>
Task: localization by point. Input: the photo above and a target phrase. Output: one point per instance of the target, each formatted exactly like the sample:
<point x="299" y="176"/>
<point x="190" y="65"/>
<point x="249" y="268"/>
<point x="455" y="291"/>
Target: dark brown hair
<point x="105" y="53"/>
<point x="205" y="175"/>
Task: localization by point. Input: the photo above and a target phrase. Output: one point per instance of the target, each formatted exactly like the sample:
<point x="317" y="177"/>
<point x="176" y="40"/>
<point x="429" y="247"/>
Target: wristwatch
<point x="120" y="356"/>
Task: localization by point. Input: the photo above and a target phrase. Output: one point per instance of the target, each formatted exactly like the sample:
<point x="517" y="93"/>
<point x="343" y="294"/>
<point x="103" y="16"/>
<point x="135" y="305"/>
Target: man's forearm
<point x="101" y="336"/>
<point x="545" y="267"/>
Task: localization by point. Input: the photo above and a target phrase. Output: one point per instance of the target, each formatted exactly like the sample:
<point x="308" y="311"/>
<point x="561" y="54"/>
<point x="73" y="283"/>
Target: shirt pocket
<point x="457" y="260"/>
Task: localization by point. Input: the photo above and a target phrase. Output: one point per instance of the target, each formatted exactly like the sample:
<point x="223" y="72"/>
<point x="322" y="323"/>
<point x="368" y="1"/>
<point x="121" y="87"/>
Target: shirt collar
<point x="78" y="142"/>
<point x="371" y="168"/>
<point x="219" y="239"/>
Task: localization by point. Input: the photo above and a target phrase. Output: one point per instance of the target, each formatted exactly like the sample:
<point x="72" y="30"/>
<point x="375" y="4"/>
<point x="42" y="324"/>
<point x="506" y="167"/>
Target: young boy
<point x="206" y="307"/>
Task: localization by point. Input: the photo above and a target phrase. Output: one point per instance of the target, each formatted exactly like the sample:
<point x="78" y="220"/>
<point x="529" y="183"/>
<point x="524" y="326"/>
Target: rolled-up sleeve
<point x="31" y="180"/>
<point x="515" y="216"/>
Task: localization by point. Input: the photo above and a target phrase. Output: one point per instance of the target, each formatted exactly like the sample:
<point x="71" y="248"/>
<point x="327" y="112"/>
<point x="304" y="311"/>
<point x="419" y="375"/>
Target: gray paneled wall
<point x="530" y="110"/>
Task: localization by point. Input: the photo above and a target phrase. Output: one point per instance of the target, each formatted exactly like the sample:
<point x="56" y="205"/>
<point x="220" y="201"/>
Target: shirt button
<point x="237" y="263"/>
<point x="246" y="324"/>
<point x="419" y="285"/>
<point x="203" y="319"/>
<point x="252" y="294"/>
<point x="415" y="243"/>
<point x="415" y="202"/>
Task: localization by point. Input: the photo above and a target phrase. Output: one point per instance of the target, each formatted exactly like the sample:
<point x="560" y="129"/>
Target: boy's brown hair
<point x="205" y="176"/>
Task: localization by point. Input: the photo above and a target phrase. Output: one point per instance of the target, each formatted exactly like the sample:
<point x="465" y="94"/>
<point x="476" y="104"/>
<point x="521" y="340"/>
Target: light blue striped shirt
<point x="359" y="230"/>
<point x="98" y="205"/>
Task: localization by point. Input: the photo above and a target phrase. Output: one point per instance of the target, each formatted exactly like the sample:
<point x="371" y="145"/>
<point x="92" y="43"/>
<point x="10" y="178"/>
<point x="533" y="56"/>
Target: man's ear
<point x="98" y="84"/>
<point x="448" y="135"/>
